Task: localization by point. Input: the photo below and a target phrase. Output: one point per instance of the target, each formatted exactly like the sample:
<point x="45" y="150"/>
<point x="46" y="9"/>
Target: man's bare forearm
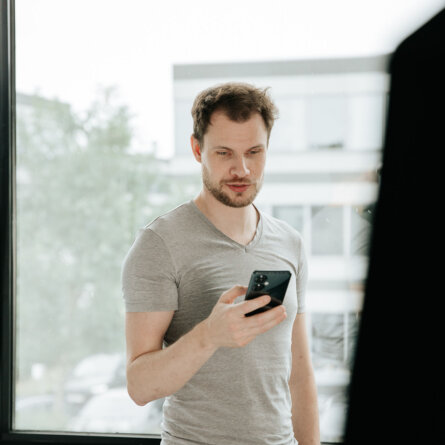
<point x="305" y="410"/>
<point x="161" y="373"/>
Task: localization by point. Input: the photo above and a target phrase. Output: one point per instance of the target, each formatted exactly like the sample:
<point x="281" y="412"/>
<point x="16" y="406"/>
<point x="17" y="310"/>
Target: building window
<point x="365" y="115"/>
<point x="327" y="230"/>
<point x="361" y="225"/>
<point x="334" y="337"/>
<point x="289" y="131"/>
<point x="293" y="215"/>
<point x="326" y="121"/>
<point x="183" y="127"/>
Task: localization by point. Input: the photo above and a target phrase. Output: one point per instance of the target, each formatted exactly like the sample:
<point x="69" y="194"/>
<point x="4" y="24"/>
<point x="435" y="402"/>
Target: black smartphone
<point x="268" y="282"/>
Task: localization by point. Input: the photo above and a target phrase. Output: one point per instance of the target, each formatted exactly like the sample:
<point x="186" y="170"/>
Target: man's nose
<point x="240" y="167"/>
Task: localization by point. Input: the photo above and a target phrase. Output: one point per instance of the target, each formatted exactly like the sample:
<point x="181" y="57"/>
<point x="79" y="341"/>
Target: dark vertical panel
<point x="397" y="389"/>
<point x="7" y="99"/>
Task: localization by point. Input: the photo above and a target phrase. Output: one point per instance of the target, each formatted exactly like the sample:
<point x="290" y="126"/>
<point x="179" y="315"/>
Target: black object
<point x="268" y="282"/>
<point x="397" y="393"/>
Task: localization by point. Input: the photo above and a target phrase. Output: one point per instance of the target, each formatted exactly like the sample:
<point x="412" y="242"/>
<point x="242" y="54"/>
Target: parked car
<point x="114" y="412"/>
<point x="92" y="376"/>
<point x="31" y="412"/>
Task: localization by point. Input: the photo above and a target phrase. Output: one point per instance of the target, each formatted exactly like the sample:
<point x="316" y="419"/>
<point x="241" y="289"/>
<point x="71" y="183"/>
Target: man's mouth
<point x="238" y="187"/>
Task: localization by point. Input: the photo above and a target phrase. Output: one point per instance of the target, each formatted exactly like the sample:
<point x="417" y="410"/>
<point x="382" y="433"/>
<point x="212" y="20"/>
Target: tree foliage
<point x="81" y="197"/>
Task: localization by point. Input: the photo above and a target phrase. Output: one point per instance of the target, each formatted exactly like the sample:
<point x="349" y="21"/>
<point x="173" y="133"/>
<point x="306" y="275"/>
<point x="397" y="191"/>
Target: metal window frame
<point x="7" y="236"/>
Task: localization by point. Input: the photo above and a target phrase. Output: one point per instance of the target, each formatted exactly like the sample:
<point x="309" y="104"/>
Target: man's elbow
<point x="136" y="397"/>
<point x="141" y="393"/>
<point x="134" y="390"/>
<point x="140" y="397"/>
<point x="139" y="402"/>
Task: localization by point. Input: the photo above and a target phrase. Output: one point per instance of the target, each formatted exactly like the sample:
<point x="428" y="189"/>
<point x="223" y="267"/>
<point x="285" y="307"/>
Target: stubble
<point x="241" y="199"/>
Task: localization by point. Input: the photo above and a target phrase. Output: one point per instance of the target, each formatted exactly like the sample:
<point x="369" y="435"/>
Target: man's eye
<point x="222" y="153"/>
<point x="254" y="152"/>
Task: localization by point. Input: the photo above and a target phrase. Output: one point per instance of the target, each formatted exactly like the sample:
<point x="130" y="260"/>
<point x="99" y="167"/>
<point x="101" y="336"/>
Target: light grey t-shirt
<point x="182" y="262"/>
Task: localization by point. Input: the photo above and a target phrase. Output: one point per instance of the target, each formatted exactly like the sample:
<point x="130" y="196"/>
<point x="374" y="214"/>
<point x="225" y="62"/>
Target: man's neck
<point x="238" y="223"/>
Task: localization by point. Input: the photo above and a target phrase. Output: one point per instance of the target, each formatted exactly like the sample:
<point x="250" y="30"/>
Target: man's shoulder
<point x="173" y="221"/>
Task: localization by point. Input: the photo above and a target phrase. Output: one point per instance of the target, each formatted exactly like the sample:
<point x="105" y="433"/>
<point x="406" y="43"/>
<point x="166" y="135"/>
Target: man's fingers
<point x="229" y="296"/>
<point x="250" y="305"/>
<point x="260" y="323"/>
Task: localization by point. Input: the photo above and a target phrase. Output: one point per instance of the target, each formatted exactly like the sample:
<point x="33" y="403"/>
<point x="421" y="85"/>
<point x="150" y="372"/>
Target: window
<point x="289" y="130"/>
<point x="292" y="215"/>
<point x="183" y="127"/>
<point x="361" y="223"/>
<point x="102" y="129"/>
<point x="366" y="123"/>
<point x="333" y="341"/>
<point x="327" y="230"/>
<point x="326" y="121"/>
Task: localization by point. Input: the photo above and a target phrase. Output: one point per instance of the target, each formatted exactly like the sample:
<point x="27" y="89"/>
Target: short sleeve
<point x="148" y="275"/>
<point x="302" y="277"/>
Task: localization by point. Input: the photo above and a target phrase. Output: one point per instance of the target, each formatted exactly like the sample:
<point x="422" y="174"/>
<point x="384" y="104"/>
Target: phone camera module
<point x="261" y="278"/>
<point x="259" y="286"/>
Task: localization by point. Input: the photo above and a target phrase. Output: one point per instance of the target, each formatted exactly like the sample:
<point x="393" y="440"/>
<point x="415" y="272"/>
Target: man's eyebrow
<point x="228" y="148"/>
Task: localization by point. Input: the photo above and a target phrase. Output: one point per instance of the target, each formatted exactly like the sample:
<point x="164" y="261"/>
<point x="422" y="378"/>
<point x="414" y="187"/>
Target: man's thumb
<point x="230" y="295"/>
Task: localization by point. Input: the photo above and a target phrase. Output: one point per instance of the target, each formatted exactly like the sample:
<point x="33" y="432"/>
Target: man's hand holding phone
<point x="227" y="325"/>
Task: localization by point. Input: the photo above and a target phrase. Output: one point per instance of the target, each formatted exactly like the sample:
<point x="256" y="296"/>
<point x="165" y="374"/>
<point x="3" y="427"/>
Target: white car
<point x="92" y="376"/>
<point x="114" y="412"/>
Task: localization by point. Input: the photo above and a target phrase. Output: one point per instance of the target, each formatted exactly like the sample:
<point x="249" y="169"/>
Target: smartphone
<point x="268" y="282"/>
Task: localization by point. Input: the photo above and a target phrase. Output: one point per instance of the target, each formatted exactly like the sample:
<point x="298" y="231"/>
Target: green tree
<point x="81" y="196"/>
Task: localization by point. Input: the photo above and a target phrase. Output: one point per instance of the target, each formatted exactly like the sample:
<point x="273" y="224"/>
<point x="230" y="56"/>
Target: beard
<point x="241" y="199"/>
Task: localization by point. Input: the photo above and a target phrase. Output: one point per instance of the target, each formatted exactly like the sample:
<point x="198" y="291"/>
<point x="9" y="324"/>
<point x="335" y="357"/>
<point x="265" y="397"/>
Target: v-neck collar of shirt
<point x="247" y="247"/>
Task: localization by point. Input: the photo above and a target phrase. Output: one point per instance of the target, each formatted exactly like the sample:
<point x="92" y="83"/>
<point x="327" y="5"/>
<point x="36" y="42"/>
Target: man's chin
<point x="239" y="204"/>
<point x="234" y="202"/>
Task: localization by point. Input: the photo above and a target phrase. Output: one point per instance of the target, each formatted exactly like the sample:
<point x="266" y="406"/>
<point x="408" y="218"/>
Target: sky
<point x="66" y="49"/>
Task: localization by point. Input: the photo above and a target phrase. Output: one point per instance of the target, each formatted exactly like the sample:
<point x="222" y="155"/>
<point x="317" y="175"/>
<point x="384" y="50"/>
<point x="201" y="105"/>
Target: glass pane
<point x="292" y="215"/>
<point x="327" y="121"/>
<point x="183" y="127"/>
<point x="333" y="346"/>
<point x="366" y="127"/>
<point x="327" y="230"/>
<point x="103" y="148"/>
<point x="289" y="130"/>
<point x="77" y="207"/>
<point x="361" y="225"/>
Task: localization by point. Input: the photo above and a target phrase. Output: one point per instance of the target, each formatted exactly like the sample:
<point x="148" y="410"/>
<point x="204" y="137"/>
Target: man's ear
<point x="196" y="148"/>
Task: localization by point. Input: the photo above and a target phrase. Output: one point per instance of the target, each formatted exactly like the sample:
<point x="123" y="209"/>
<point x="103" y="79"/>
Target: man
<point x="228" y="379"/>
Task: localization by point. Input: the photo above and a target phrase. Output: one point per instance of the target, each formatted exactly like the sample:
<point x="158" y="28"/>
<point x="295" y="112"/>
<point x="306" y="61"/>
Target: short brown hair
<point x="237" y="100"/>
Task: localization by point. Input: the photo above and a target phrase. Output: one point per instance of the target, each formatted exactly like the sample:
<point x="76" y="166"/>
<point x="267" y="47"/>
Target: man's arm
<point x="153" y="372"/>
<point x="302" y="388"/>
